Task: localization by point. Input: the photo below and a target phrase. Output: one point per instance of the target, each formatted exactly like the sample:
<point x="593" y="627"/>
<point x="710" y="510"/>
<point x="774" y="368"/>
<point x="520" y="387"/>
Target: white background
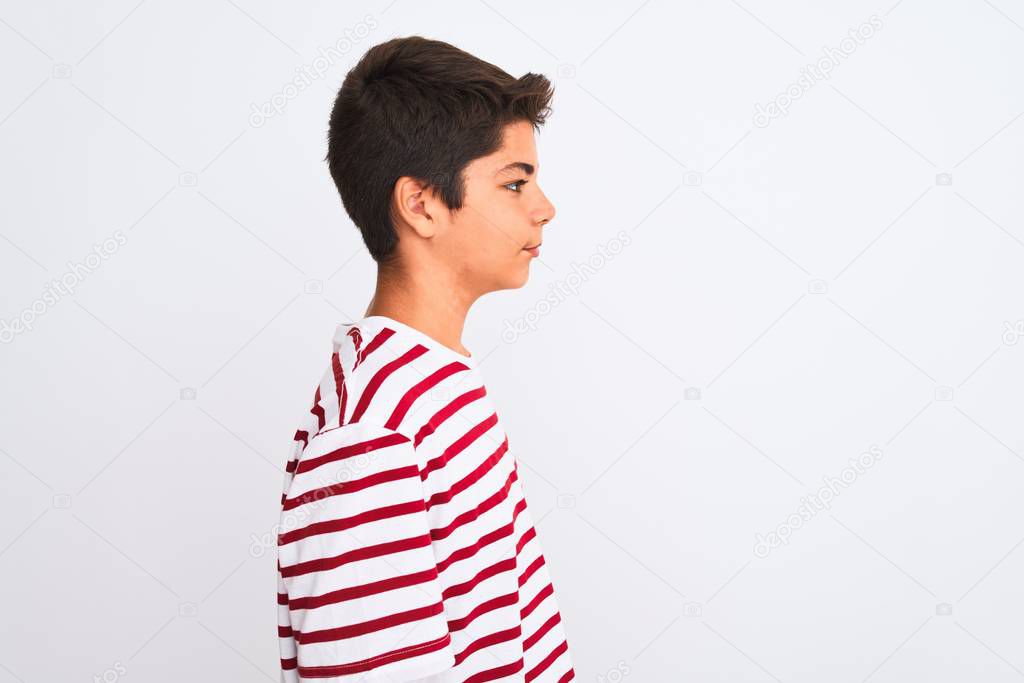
<point x="791" y="295"/>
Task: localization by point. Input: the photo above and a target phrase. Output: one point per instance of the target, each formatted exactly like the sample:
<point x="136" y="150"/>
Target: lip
<point x="534" y="250"/>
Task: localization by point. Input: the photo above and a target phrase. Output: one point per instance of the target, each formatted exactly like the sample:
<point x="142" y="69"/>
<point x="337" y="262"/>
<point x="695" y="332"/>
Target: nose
<point x="546" y="212"/>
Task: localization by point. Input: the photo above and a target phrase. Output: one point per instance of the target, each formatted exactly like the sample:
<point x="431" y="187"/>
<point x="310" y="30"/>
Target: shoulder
<point x="347" y="450"/>
<point x="399" y="383"/>
<point x="356" y="437"/>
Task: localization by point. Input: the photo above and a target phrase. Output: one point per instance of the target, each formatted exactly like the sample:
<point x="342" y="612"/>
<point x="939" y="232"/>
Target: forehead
<point x="517" y="145"/>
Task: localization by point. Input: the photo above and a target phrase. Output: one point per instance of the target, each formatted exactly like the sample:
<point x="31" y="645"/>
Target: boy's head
<point x="433" y="153"/>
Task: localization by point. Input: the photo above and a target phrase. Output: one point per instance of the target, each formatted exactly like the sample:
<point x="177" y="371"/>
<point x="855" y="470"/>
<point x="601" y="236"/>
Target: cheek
<point x="498" y="232"/>
<point x="515" y="224"/>
<point x="475" y="243"/>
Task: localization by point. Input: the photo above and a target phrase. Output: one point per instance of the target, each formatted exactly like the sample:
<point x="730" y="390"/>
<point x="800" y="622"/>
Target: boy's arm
<point x="364" y="599"/>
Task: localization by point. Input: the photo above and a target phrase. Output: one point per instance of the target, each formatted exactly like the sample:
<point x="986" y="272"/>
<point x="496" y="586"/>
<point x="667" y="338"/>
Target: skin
<point x="447" y="260"/>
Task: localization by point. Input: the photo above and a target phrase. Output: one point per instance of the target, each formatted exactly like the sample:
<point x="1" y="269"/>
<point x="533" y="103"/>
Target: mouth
<point x="534" y="250"/>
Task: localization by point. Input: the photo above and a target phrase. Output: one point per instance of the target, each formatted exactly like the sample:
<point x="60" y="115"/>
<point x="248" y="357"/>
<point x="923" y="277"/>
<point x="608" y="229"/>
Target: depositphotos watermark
<point x="111" y="674"/>
<point x="308" y="73"/>
<point x="1013" y="332"/>
<point x="64" y="286"/>
<point x="296" y="517"/>
<point x="562" y="289"/>
<point x="815" y="72"/>
<point x="615" y="674"/>
<point x="816" y="502"/>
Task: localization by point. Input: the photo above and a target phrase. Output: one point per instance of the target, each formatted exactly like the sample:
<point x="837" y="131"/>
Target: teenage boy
<point x="407" y="551"/>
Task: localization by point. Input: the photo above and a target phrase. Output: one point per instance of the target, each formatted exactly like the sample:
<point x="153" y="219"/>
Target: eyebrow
<point x="526" y="168"/>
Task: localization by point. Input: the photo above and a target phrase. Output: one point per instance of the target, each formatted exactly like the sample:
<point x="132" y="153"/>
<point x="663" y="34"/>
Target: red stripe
<point x="284" y="631"/>
<point x="331" y="525"/>
<point x="364" y="590"/>
<point x="360" y="448"/>
<point x="357" y="341"/>
<point x="483" y="608"/>
<point x="326" y="563"/>
<point x="534" y="566"/>
<point x="485" y="540"/>
<point x="419" y="389"/>
<point x="352" y="486"/>
<point x="374" y="662"/>
<point x="339" y="386"/>
<point x="282" y="598"/>
<point x="440" y="416"/>
<point x="497" y="672"/>
<point x="542" y="631"/>
<point x="470" y="479"/>
<point x="374" y="344"/>
<point x="468" y="516"/>
<point x="374" y="384"/>
<point x="487" y="641"/>
<point x="546" y="662"/>
<point x="470" y="550"/>
<point x="537" y="599"/>
<point x="328" y="635"/>
<point x="460" y="444"/>
<point x="569" y="675"/>
<point x="527" y="537"/>
<point x="303" y="436"/>
<point x="318" y="410"/>
<point x="289" y="664"/>
<point x="485" y="573"/>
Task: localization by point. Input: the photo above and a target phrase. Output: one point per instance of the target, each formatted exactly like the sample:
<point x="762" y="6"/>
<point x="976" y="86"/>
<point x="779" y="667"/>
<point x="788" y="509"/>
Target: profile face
<point x="503" y="215"/>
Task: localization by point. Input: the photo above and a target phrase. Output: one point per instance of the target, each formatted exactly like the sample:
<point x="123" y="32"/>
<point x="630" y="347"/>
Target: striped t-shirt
<point x="406" y="550"/>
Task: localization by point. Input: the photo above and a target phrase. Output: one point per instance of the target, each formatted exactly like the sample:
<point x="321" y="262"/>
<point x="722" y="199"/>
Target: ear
<point x="416" y="206"/>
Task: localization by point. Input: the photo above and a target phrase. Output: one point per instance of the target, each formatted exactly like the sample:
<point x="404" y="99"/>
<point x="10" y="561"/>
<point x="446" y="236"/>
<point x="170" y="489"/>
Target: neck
<point x="436" y="306"/>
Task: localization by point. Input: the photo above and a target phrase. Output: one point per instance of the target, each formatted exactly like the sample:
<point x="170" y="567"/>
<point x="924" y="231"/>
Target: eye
<point x="518" y="183"/>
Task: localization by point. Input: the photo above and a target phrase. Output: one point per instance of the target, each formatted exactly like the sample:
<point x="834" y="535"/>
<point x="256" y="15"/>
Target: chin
<point x="522" y="279"/>
<point x="513" y="280"/>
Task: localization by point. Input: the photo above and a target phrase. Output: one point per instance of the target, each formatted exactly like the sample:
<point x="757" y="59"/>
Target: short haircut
<point x="420" y="108"/>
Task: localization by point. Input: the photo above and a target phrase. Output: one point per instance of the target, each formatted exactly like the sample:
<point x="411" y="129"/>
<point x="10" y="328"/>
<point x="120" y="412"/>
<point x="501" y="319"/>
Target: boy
<point x="407" y="551"/>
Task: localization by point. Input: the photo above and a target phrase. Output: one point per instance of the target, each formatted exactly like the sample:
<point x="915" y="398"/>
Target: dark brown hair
<point x="425" y="109"/>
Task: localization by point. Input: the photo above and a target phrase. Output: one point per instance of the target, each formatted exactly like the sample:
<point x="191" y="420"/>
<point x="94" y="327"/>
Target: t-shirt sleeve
<point x="356" y="559"/>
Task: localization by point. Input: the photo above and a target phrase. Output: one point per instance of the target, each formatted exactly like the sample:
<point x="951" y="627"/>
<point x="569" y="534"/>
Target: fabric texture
<point x="406" y="550"/>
